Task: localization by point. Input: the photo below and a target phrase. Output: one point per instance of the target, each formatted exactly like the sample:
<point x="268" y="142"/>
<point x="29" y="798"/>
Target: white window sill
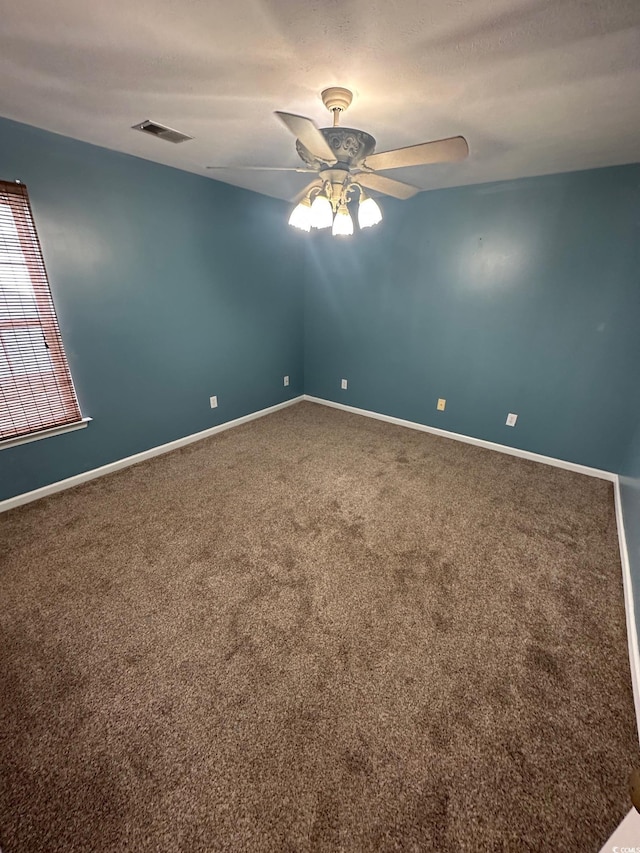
<point x="44" y="433"/>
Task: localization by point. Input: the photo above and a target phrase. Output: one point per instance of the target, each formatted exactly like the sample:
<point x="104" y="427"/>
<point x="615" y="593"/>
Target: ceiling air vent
<point x="161" y="131"/>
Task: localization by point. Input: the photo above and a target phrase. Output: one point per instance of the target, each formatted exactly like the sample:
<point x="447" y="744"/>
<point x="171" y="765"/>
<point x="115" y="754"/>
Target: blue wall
<point x="169" y="288"/>
<point x="520" y="296"/>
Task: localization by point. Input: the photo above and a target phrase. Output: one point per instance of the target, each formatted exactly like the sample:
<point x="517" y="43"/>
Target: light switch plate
<point x="213" y="402"/>
<point x="343" y="384"/>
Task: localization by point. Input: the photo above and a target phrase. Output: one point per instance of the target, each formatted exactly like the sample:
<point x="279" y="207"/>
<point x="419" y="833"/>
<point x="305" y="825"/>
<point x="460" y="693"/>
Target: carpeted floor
<point x="316" y="632"/>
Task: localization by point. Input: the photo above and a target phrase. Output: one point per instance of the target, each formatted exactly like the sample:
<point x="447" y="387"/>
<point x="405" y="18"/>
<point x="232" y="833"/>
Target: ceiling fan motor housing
<point x="349" y="145"/>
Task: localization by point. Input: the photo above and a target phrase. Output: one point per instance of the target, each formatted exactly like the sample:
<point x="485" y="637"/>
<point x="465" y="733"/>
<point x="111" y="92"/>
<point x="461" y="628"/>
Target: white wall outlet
<point x="213" y="402"/>
<point x="511" y="419"/>
<point x="343" y="384"/>
<point x="441" y="404"/>
<point x="286" y="381"/>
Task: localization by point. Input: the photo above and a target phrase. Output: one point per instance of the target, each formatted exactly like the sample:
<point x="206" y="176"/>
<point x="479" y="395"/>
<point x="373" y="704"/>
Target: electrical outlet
<point x="286" y="381"/>
<point x="441" y="404"/>
<point x="343" y="384"/>
<point x="511" y="419"/>
<point x="213" y="402"/>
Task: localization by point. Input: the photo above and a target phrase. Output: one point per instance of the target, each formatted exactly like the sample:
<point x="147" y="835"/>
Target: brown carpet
<point x="315" y="632"/>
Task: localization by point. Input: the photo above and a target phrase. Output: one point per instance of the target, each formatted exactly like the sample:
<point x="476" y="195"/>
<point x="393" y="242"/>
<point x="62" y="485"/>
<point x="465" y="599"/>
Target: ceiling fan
<point x="343" y="162"/>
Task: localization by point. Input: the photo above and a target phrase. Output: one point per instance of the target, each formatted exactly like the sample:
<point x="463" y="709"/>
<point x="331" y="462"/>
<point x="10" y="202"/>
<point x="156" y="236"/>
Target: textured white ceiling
<point x="536" y="86"/>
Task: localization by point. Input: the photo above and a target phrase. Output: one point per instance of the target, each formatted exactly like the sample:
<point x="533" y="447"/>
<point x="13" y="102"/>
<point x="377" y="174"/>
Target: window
<point x="36" y="390"/>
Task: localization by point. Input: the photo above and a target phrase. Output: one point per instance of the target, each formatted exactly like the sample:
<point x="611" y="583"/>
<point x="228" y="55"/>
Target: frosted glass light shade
<point x="301" y="216"/>
<point x="369" y="213"/>
<point x="343" y="223"/>
<point x="321" y="212"/>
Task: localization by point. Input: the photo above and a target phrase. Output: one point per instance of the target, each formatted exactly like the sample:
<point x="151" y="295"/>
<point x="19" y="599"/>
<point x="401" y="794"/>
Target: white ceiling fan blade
<point x="442" y="151"/>
<point x="262" y="168"/>
<point x="308" y="133"/>
<point x="388" y="186"/>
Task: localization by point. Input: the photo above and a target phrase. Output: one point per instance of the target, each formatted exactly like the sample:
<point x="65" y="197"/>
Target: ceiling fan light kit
<point x="326" y="206"/>
<point x="344" y="161"/>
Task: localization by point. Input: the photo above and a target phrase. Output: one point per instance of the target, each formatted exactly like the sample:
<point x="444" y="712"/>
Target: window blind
<point x="36" y="389"/>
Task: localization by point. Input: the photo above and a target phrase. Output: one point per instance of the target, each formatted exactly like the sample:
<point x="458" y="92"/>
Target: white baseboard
<point x="69" y="482"/>
<point x="468" y="439"/>
<point x="632" y="634"/>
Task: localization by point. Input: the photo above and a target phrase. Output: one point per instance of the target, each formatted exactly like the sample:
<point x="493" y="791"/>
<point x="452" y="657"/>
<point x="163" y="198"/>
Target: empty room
<point x="319" y="426"/>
